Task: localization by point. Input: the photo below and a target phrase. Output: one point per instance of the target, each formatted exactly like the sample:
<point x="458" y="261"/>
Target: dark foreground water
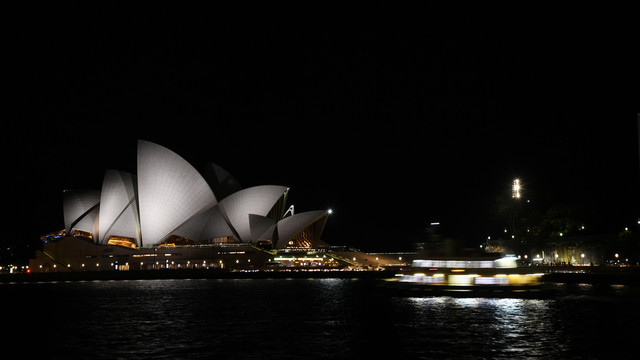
<point x="304" y="319"/>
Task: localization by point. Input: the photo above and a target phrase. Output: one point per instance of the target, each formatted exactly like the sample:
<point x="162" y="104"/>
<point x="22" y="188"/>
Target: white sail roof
<point x="292" y="225"/>
<point x="170" y="191"/>
<point x="78" y="205"/>
<point x="207" y="225"/>
<point x="118" y="207"/>
<point x="257" y="200"/>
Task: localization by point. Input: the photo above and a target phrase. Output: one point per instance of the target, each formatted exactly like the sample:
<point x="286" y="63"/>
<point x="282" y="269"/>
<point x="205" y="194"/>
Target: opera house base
<point x="192" y="274"/>
<point x="79" y="258"/>
<point x="81" y="254"/>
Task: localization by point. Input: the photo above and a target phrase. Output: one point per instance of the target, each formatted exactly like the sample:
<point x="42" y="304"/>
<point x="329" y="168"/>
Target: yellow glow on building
<point x="122" y="241"/>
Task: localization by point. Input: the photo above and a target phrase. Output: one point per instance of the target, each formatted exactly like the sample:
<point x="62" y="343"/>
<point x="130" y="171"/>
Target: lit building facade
<point x="168" y="215"/>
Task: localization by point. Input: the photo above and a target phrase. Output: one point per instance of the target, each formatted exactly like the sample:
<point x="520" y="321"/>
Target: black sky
<point x="393" y="117"/>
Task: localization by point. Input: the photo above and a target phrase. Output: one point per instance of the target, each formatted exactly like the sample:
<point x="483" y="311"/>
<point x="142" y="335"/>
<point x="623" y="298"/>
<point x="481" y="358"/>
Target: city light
<point x="515" y="189"/>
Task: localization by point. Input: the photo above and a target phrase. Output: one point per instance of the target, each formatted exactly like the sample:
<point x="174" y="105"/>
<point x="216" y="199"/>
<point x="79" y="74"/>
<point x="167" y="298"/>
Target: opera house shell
<point x="169" y="202"/>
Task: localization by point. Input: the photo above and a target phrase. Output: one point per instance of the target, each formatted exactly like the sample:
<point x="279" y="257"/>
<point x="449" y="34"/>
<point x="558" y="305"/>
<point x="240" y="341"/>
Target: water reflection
<point x="496" y="328"/>
<point x="322" y="318"/>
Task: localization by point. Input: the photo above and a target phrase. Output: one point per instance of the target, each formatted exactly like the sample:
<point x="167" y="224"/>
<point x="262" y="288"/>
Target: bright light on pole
<point x="515" y="189"/>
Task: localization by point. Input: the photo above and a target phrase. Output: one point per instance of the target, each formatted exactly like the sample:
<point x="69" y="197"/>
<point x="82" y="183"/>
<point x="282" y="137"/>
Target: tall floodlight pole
<point x="512" y="216"/>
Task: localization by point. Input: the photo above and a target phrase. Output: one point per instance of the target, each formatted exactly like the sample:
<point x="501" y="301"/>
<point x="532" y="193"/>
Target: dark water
<point x="298" y="319"/>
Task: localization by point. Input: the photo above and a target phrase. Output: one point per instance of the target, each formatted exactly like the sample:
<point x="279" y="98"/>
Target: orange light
<point x="457" y="270"/>
<point x="122" y="242"/>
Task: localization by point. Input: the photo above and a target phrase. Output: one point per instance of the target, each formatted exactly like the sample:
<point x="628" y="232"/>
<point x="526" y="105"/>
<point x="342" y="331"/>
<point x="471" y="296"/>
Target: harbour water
<point x="306" y="319"/>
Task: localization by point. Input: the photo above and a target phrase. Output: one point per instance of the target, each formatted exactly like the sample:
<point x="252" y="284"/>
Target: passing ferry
<point x="472" y="276"/>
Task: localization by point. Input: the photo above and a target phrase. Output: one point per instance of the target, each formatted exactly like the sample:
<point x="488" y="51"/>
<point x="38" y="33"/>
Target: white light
<point x="516" y="189"/>
<point x="330" y="211"/>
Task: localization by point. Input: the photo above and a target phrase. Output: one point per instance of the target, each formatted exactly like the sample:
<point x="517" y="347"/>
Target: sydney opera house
<point x="169" y="215"/>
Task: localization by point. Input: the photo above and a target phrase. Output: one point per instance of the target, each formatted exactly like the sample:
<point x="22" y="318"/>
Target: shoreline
<point x="189" y="274"/>
<point x="605" y="276"/>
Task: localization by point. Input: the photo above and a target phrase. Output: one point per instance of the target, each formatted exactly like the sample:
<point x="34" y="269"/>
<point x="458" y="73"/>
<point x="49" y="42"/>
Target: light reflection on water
<point x="295" y="318"/>
<point x="486" y="327"/>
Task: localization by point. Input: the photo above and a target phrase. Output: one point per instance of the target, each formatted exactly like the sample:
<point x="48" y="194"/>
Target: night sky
<point x="394" y="117"/>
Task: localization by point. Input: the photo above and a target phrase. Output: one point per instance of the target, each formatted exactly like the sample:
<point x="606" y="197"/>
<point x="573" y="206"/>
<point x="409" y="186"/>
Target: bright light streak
<point x="515" y="189"/>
